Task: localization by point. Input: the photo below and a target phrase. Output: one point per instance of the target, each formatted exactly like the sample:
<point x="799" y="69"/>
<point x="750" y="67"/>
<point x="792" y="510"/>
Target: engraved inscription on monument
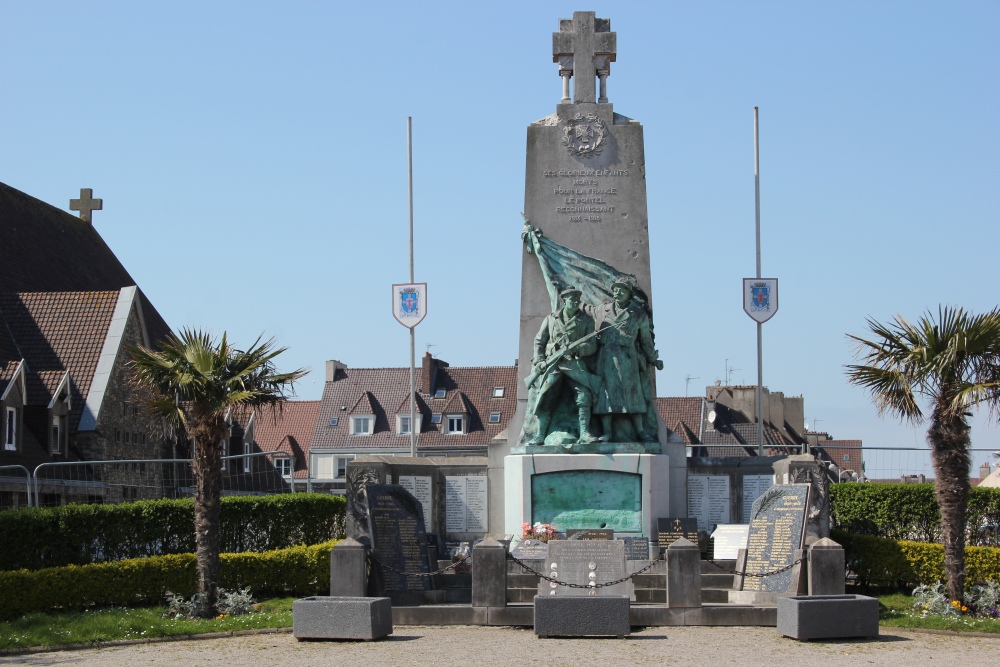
<point x="708" y="500"/>
<point x="586" y="563"/>
<point x="399" y="541"/>
<point x="669" y="530"/>
<point x="465" y="504"/>
<point x="777" y="529"/>
<point x="754" y="487"/>
<point x="420" y="487"/>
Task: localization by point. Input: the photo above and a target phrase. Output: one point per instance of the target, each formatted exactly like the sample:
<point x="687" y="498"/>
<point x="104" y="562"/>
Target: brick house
<point x="68" y="312"/>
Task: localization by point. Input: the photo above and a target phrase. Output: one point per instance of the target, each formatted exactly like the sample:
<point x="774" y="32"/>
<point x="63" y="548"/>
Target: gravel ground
<point x="466" y="645"/>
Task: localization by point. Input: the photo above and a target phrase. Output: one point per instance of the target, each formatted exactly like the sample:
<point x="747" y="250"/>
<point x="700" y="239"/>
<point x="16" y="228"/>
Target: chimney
<point x="984" y="471"/>
<point x="332" y="366"/>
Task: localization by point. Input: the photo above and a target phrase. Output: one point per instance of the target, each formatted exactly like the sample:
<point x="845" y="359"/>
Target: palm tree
<point x="953" y="363"/>
<point x="194" y="381"/>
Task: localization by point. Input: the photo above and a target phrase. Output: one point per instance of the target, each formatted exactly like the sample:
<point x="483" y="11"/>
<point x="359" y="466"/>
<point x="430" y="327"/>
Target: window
<point x="439" y="393"/>
<point x="847" y="457"/>
<point x="118" y="435"/>
<point x="436" y="418"/>
<point x="342" y="466"/>
<point x="135" y="411"/>
<point x="403" y="424"/>
<point x="497" y="392"/>
<point x="334" y="421"/>
<point x="142" y="438"/>
<point x="127" y="433"/>
<point x="247" y="461"/>
<point x="494" y="417"/>
<point x="223" y="446"/>
<point x="10" y="442"/>
<point x="322" y="466"/>
<point x="361" y="425"/>
<point x="456" y="424"/>
<point x="283" y="465"/>
<point x="57" y="432"/>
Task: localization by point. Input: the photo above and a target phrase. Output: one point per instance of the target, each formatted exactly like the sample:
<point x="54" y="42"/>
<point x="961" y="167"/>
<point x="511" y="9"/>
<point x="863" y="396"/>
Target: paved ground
<point x="488" y="646"/>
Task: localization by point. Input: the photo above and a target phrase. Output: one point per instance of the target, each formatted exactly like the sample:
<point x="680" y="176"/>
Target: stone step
<point x="715" y="595"/>
<point x="708" y="567"/>
<point x="717" y="580"/>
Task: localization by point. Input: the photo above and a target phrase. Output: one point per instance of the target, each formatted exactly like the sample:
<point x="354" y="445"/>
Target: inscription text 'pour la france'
<point x="584" y="197"/>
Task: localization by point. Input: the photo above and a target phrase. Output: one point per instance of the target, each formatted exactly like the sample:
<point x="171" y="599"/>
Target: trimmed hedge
<point x="299" y="571"/>
<point x="904" y="564"/>
<point x="908" y="511"/>
<point x="82" y="534"/>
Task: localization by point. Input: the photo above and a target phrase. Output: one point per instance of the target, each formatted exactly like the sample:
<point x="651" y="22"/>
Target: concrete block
<point x="827" y="568"/>
<point x="341" y="618"/>
<point x="348" y="571"/>
<point x="683" y="574"/>
<point x="806" y="617"/>
<point x="489" y="576"/>
<point x="576" y="616"/>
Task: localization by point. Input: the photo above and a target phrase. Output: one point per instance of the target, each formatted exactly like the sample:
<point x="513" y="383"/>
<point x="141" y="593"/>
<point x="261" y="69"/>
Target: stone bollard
<point x="827" y="568"/>
<point x="489" y="576"/>
<point x="348" y="577"/>
<point x="683" y="574"/>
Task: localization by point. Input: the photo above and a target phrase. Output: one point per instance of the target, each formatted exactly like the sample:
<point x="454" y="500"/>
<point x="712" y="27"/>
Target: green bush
<point x="904" y="564"/>
<point x="82" y="534"/>
<point x="908" y="511"/>
<point x="301" y="571"/>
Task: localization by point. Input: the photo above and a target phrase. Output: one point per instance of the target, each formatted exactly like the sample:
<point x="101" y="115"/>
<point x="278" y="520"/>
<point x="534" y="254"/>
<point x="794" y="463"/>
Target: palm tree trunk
<point x="207" y="466"/>
<point x="949" y="440"/>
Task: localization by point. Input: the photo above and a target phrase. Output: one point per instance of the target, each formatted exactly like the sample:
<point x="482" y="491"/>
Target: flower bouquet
<point x="542" y="532"/>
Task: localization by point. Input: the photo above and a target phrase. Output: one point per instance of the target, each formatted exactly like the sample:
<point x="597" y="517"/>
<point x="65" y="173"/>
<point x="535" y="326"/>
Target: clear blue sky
<point x="252" y="161"/>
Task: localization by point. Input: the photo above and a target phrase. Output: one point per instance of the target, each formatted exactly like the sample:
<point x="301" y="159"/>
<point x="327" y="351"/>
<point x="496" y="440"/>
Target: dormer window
<point x="497" y="392"/>
<point x="403" y="424"/>
<point x="440" y="393"/>
<point x="436" y="418"/>
<point x="362" y="424"/>
<point x="456" y="424"/>
<point x="334" y="421"/>
<point x="10" y="441"/>
<point x="494" y="417"/>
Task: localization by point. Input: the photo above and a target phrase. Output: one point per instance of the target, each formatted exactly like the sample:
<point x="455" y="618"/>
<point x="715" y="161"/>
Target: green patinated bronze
<point x="592" y="357"/>
<point x="612" y="500"/>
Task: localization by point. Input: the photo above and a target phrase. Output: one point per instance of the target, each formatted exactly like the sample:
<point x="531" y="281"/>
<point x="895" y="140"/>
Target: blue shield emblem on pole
<point x="761" y="296"/>
<point x="409" y="304"/>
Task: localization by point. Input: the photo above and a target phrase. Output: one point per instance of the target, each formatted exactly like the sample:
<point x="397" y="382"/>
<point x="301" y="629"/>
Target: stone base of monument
<point x="828" y="617"/>
<point x="577" y="616"/>
<point x="341" y="618"/>
<point x="622" y="492"/>
<point x="756" y="598"/>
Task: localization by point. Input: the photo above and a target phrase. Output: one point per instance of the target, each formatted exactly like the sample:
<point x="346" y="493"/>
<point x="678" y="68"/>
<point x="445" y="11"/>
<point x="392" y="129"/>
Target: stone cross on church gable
<point x="584" y="47"/>
<point x="86" y="204"/>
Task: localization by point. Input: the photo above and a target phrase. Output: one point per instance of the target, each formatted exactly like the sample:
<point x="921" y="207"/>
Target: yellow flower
<point x="955" y="603"/>
<point x="964" y="608"/>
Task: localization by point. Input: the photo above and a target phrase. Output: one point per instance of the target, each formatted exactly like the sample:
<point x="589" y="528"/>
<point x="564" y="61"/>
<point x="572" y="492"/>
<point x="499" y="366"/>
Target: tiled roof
<point x="366" y="405"/>
<point x="288" y="430"/>
<point x="471" y="387"/>
<point x="846" y="454"/>
<point x="46" y="249"/>
<point x="56" y="332"/>
<point x="685" y="411"/>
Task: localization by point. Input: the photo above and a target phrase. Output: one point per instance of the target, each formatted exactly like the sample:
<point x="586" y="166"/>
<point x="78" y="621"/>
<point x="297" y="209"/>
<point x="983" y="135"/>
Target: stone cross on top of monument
<point x="86" y="204"/>
<point x="584" y="47"/>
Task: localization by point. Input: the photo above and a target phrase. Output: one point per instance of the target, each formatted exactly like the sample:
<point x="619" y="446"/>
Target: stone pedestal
<point x="606" y="616"/>
<point x="348" y="569"/>
<point x="489" y="576"/>
<point x="341" y="618"/>
<point x="623" y="492"/>
<point x="683" y="574"/>
<point x="828" y="617"/>
<point x="827" y="568"/>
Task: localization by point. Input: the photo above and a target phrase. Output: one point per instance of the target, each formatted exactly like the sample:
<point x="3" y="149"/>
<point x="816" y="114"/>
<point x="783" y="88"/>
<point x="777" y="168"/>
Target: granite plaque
<point x="777" y="529"/>
<point x="585" y="563"/>
<point x="708" y="500"/>
<point x="728" y="539"/>
<point x="465" y="504"/>
<point x="420" y="487"/>
<point x="530" y="550"/>
<point x="636" y="548"/>
<point x="754" y="487"/>
<point x="590" y="534"/>
<point x="670" y="530"/>
<point x="399" y="541"/>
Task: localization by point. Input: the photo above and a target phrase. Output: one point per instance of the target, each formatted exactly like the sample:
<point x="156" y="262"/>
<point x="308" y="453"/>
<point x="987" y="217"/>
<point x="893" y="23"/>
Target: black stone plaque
<point x="585" y="563"/>
<point x="636" y="548"/>
<point x="669" y="530"/>
<point x="530" y="550"/>
<point x="777" y="529"/>
<point x="399" y="541"/>
<point x="590" y="534"/>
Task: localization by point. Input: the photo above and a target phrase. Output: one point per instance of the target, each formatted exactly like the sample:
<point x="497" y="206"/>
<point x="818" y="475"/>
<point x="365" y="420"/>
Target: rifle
<point x="557" y="357"/>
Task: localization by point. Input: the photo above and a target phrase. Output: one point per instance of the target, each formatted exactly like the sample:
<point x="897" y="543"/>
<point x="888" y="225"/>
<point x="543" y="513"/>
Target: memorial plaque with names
<point x="670" y="530"/>
<point x="777" y="529"/>
<point x="636" y="548"/>
<point x="590" y="534"/>
<point x="530" y="550"/>
<point x="399" y="541"/>
<point x="466" y="509"/>
<point x="585" y="562"/>
<point x="728" y="539"/>
<point x="754" y="487"/>
<point x="420" y="487"/>
<point x="708" y="500"/>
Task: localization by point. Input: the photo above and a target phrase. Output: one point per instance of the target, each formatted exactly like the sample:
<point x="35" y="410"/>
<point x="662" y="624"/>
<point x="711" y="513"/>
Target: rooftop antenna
<point x="429" y="346"/>
<point x="687" y="381"/>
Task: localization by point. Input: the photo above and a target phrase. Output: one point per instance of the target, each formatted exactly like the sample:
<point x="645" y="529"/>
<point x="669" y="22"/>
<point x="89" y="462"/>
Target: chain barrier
<point x="418" y="574"/>
<point x="758" y="575"/>
<point x="592" y="584"/>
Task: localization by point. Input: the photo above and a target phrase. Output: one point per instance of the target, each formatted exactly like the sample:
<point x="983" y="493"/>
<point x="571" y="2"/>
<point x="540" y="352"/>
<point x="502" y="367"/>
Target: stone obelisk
<point x="585" y="189"/>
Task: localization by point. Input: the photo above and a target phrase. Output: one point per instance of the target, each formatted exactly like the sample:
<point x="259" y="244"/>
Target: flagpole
<point x="413" y="334"/>
<point x="760" y="344"/>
